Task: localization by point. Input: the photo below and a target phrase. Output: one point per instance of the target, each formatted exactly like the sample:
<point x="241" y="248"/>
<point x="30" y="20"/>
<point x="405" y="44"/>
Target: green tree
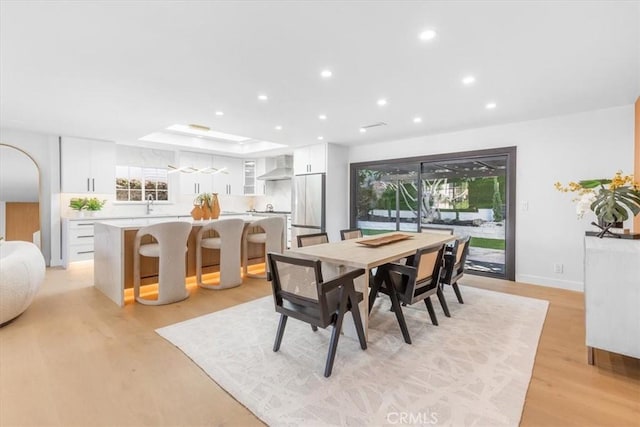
<point x="497" y="201"/>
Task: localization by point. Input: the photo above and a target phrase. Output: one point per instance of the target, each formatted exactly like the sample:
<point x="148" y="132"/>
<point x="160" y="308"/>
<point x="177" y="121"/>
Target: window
<point x="139" y="183"/>
<point x="249" y="176"/>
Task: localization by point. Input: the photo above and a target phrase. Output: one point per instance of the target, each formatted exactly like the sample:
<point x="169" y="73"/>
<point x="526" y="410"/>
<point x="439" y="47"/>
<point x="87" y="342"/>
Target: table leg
<point x="348" y="327"/>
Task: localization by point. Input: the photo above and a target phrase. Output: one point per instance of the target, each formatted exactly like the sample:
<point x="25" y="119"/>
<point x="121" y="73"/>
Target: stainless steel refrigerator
<point x="308" y="215"/>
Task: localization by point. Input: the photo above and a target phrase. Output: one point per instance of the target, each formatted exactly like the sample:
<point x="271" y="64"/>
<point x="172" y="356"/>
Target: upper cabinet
<point x="310" y="159"/>
<point x="253" y="169"/>
<point x="230" y="178"/>
<point x="194" y="183"/>
<point x="87" y="166"/>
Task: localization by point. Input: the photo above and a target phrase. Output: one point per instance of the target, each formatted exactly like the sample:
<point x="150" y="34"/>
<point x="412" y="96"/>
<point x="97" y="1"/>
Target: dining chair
<point x="454" y="265"/>
<point x="170" y="247"/>
<point x="312" y="239"/>
<point x="228" y="242"/>
<point x="409" y="283"/>
<point x="300" y="292"/>
<point x="350" y="233"/>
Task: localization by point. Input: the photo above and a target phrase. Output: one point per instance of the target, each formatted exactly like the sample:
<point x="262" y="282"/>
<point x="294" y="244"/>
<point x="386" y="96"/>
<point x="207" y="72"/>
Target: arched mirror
<point x="19" y="196"/>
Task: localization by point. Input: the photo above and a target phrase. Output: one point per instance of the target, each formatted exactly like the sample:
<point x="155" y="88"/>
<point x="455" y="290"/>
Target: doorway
<point x="19" y="196"/>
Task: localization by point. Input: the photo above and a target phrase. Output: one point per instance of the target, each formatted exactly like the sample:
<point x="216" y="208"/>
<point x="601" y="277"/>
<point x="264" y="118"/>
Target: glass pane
<point x="136" y="195"/>
<point x="386" y="198"/>
<point x="162" y="195"/>
<point x="122" y="195"/>
<point x="469" y="195"/>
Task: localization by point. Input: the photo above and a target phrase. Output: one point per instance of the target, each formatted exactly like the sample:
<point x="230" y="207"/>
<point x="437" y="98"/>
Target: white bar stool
<point x="170" y="248"/>
<point x="272" y="238"/>
<point x="228" y="243"/>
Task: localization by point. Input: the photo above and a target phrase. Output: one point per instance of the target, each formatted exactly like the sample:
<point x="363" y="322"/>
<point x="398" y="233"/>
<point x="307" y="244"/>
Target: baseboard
<point x="548" y="281"/>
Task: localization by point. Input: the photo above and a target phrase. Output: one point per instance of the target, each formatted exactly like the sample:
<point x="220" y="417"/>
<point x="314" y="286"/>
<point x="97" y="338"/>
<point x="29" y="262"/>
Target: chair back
<point x="437" y="230"/>
<point x="428" y="265"/>
<point x="230" y="232"/>
<point x="312" y="239"/>
<point x="274" y="229"/>
<point x="297" y="288"/>
<point x="352" y="233"/>
<point x="461" y="249"/>
<point x="172" y="239"/>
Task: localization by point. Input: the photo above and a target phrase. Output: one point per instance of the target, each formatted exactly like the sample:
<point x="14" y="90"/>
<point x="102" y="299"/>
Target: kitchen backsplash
<point x="278" y="194"/>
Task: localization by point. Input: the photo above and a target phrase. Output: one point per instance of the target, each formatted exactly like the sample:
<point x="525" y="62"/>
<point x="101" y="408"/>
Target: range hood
<point x="283" y="170"/>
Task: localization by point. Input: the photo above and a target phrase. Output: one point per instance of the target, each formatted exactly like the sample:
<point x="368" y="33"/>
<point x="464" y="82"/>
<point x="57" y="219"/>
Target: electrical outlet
<point x="558" y="268"/>
<point x="524" y="206"/>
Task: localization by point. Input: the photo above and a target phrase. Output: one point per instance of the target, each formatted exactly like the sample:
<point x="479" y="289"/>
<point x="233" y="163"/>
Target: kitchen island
<point x="113" y="254"/>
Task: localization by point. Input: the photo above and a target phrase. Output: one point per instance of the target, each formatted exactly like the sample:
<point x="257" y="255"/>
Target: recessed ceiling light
<point x="417" y="120"/>
<point x="427" y="35"/>
<point x="382" y="102"/>
<point x="322" y="117"/>
<point x="320" y="138"/>
<point x="325" y="74"/>
<point x="363" y="130"/>
<point x="468" y="80"/>
<point x="263" y="97"/>
<point x="490" y="106"/>
<point x="278" y="127"/>
<point x="219" y="113"/>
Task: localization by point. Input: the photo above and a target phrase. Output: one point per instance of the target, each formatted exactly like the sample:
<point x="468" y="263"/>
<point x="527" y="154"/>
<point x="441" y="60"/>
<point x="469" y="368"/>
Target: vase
<point x="196" y="212"/>
<point x="206" y="212"/>
<point x="215" y="206"/>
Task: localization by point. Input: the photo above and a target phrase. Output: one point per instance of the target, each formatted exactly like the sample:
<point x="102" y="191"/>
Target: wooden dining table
<point x="354" y="253"/>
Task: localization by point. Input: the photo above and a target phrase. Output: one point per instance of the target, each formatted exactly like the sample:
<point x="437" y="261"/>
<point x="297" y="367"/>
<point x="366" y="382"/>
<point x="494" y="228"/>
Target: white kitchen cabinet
<point x="77" y="240"/>
<point x="196" y="183"/>
<point x="231" y="179"/>
<point x="310" y="159"/>
<point x="253" y="169"/>
<point x="87" y="166"/>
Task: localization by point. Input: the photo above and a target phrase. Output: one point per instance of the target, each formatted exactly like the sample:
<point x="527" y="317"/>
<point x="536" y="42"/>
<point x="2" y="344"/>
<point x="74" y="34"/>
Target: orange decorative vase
<point x="206" y="212"/>
<point x="196" y="212"/>
<point x="215" y="206"/>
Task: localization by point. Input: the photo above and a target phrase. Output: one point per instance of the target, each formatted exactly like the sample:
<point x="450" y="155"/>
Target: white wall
<point x="593" y="144"/>
<point x="43" y="149"/>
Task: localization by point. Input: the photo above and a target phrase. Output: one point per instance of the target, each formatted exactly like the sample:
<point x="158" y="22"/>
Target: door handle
<point x="87" y="184"/>
<point x="93" y="184"/>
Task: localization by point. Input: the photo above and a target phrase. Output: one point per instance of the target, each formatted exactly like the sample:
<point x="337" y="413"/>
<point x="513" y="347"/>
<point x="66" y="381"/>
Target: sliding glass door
<point x="469" y="196"/>
<point x="472" y="192"/>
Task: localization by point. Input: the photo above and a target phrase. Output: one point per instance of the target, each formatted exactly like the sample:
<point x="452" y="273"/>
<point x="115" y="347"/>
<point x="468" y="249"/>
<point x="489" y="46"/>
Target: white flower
<point x="584" y="203"/>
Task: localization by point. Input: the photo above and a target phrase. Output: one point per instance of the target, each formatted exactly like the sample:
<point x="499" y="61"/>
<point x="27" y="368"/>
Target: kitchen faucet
<point x="149" y="203"/>
<point x="269" y="207"/>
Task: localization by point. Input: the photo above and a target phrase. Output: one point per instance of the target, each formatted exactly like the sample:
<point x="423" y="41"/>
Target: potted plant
<point x="94" y="204"/>
<point x="610" y="200"/>
<point x="78" y="204"/>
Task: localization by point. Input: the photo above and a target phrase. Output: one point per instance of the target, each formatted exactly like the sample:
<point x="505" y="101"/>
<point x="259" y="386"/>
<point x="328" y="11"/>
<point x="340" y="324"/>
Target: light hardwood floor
<point x="76" y="359"/>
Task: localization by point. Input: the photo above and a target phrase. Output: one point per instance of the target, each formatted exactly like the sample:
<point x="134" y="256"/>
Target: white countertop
<point x="136" y="223"/>
<point x="152" y="216"/>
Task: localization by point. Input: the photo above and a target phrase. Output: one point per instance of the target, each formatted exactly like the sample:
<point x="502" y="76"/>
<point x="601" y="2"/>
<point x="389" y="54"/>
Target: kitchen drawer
<point x="80" y="252"/>
<point x="81" y="224"/>
<point x="80" y="235"/>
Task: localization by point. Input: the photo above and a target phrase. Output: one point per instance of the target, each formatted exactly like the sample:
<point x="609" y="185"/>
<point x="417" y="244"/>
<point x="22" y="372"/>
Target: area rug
<point x="472" y="370"/>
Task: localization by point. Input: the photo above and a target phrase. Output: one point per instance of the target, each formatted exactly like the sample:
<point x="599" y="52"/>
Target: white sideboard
<point x="612" y="295"/>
